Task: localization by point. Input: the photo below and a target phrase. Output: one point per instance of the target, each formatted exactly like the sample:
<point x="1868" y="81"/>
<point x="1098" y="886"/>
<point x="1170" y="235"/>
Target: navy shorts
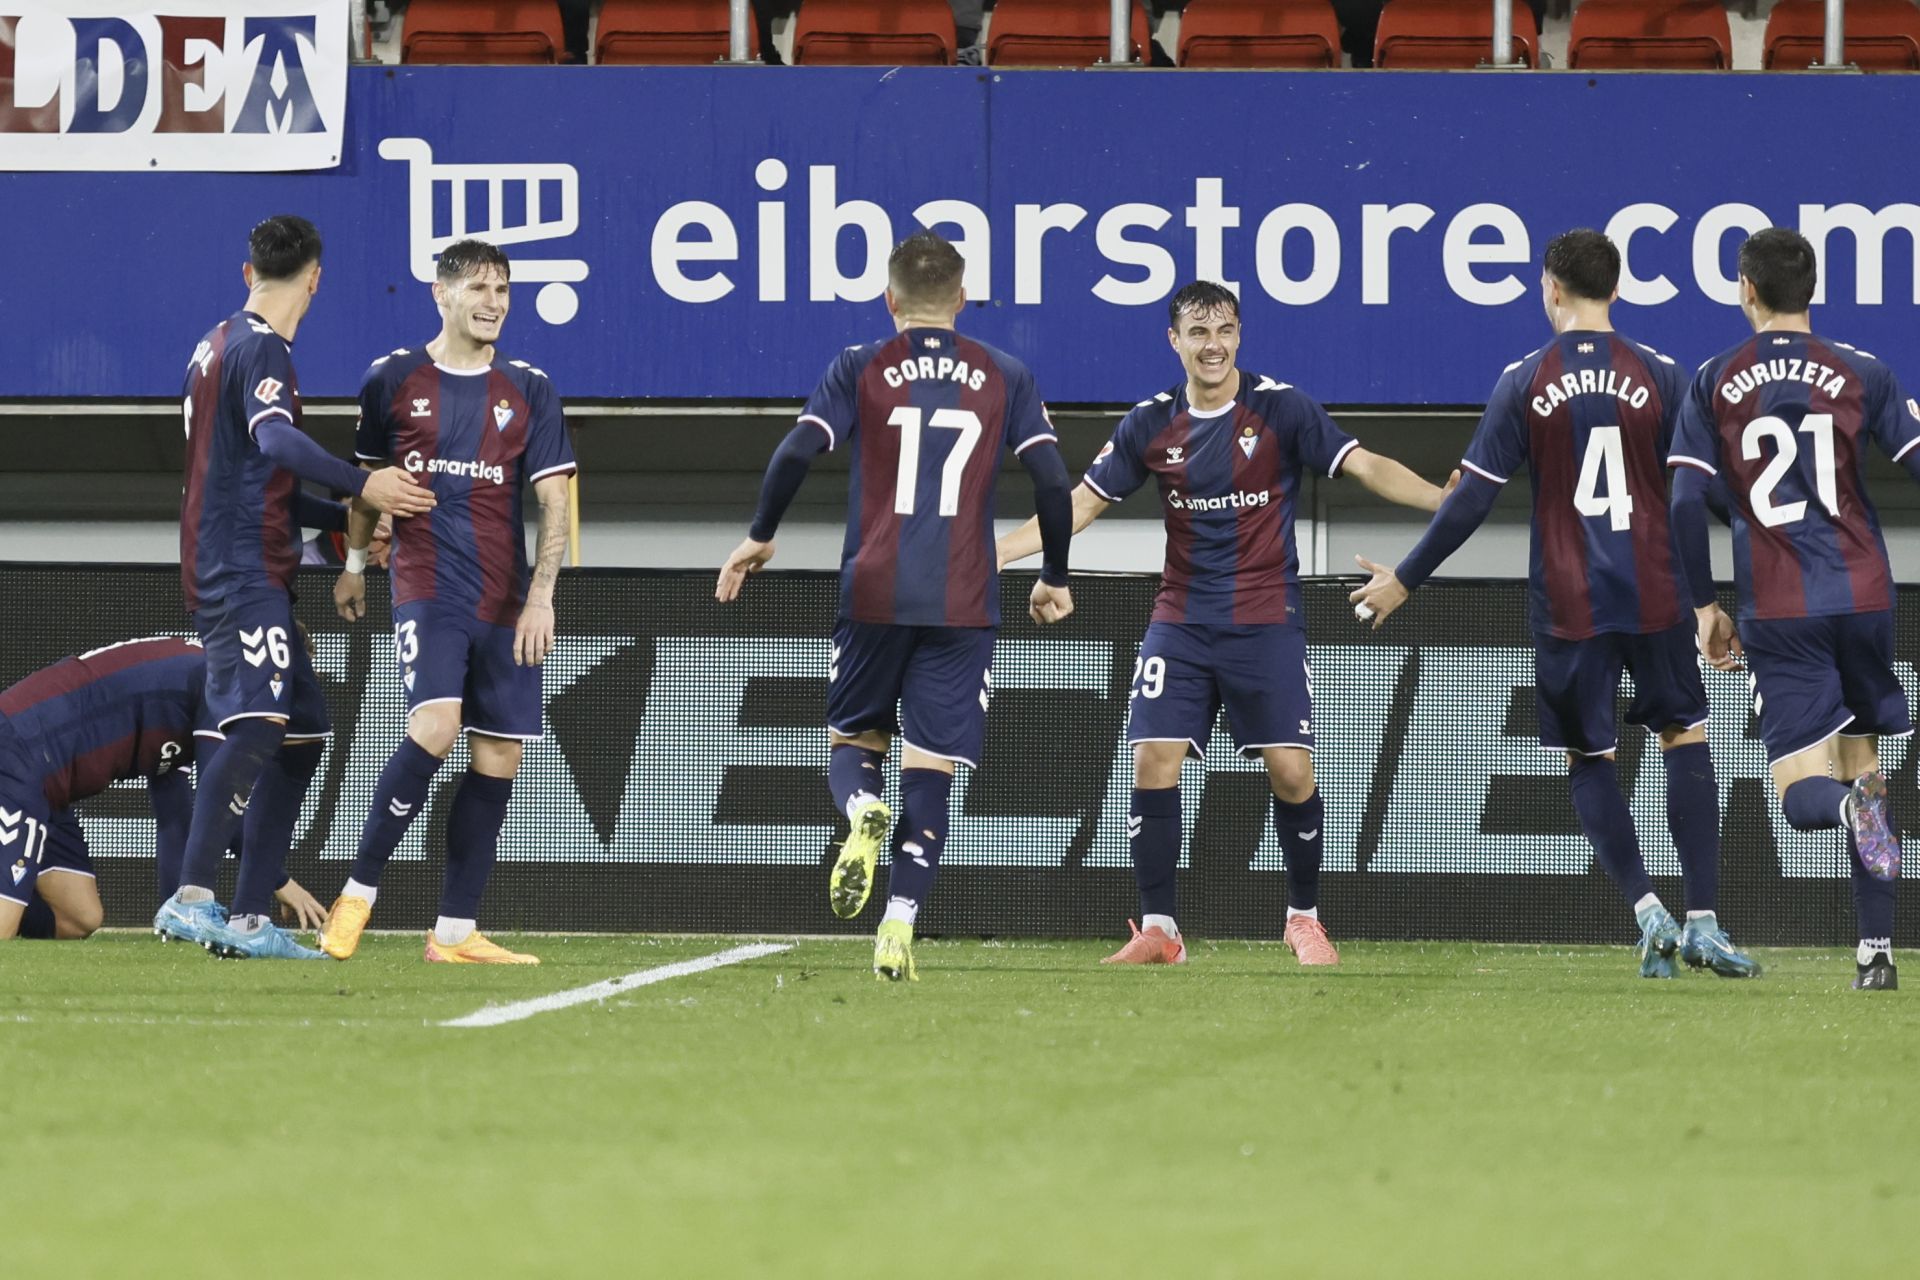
<point x="1187" y="672"/>
<point x="25" y="831"/>
<point x="929" y="685"/>
<point x="448" y="655"/>
<point x="1813" y="678"/>
<point x="1575" y="683"/>
<point x="257" y="665"/>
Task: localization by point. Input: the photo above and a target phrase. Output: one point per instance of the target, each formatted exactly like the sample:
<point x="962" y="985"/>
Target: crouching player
<point x="69" y="732"/>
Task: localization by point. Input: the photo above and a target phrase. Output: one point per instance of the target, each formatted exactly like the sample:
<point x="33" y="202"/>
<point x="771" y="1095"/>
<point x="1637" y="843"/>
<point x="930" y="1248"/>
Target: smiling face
<point x="474" y="305"/>
<point x="1207" y="339"/>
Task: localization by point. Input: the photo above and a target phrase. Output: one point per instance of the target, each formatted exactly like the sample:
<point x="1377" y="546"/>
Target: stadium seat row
<point x="1881" y="35"/>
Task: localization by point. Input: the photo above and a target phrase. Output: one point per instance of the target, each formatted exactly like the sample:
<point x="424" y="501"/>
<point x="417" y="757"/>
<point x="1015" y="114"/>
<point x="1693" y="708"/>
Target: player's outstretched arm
<point x="1051" y="599"/>
<point x="1026" y="541"/>
<point x="1464" y="510"/>
<point x="533" y="637"/>
<point x="1391" y="480"/>
<point x="788" y="470"/>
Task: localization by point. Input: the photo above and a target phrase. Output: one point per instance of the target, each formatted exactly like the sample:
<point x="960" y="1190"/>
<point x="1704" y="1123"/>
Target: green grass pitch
<point x="1425" y="1110"/>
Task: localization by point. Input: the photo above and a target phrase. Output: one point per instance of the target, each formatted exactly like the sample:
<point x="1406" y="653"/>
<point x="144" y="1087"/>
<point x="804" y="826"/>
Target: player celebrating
<point x="1228" y="449"/>
<point x="239" y="543"/>
<point x="1592" y="414"/>
<point x="469" y="631"/>
<point x="926" y="413"/>
<point x="67" y="733"/>
<point x="1784" y="418"/>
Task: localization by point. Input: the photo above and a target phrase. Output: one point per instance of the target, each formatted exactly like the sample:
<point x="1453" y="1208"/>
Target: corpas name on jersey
<point x="475" y="470"/>
<point x="932" y="369"/>
<point x="1591" y="382"/>
<point x="1225" y="502"/>
<point x="1734" y="389"/>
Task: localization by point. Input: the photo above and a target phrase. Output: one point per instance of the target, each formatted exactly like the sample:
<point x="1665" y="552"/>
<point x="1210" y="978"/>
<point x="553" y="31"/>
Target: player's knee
<point x="81" y="919"/>
<point x="1675" y="735"/>
<point x="1291" y="775"/>
<point x="1156" y="765"/>
<point x="435" y="728"/>
<point x="496" y="757"/>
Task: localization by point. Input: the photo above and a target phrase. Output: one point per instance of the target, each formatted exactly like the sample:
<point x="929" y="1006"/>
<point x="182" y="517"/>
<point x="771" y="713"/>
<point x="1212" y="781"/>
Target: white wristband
<point x="356" y="559"/>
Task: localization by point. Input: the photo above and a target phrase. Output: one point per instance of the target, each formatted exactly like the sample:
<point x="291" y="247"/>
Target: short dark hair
<point x="925" y="267"/>
<point x="1585" y="262"/>
<point x="282" y="247"/>
<point x="1783" y="269"/>
<point x="464" y="258"/>
<point x="1201" y="297"/>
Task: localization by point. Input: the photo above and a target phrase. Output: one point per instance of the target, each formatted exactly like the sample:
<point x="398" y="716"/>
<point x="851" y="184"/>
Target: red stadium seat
<point x="1058" y="33"/>
<point x="667" y="32"/>
<point x="508" y="32"/>
<point x="1259" y="33"/>
<point x="870" y="33"/>
<point x="1447" y="34"/>
<point x="1660" y="35"/>
<point x="1881" y="35"/>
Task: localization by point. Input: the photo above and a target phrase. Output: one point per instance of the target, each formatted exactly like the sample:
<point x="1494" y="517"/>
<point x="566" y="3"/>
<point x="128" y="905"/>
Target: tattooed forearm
<point x="555" y="517"/>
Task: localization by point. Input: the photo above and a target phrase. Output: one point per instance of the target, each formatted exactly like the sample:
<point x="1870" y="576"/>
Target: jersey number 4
<point x="905" y="484"/>
<point x="1607" y="456"/>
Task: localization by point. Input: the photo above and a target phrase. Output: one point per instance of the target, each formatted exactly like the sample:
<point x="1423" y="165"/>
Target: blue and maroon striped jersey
<point x="1591" y="414"/>
<point x="477" y="437"/>
<point x="237" y="532"/>
<point x="1228" y="483"/>
<point x="129" y="710"/>
<point x="1783" y="418"/>
<point x="927" y="414"/>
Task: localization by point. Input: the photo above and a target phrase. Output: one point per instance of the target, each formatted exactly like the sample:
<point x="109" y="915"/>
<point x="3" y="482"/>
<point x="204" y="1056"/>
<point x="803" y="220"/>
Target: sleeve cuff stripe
<point x="1906" y="448"/>
<point x="1088" y="481"/>
<point x="833" y="441"/>
<point x="1682" y="460"/>
<point x="565" y="468"/>
<point x="1027" y="444"/>
<point x="1482" y="472"/>
<point x="257" y="418"/>
<point x="1341" y="457"/>
<point x="368" y="457"/>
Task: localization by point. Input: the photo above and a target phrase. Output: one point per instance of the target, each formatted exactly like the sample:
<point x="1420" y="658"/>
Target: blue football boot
<point x="1659" y="940"/>
<point x="1705" y="945"/>
<point x="178" y="921"/>
<point x="268" y="942"/>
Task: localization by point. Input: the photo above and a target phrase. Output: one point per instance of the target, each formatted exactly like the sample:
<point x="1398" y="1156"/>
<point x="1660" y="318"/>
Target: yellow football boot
<point x="346" y="921"/>
<point x="853" y="870"/>
<point x="475" y="950"/>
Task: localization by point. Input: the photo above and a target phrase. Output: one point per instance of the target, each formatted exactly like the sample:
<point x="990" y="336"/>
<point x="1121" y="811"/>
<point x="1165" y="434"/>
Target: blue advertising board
<point x="721" y="232"/>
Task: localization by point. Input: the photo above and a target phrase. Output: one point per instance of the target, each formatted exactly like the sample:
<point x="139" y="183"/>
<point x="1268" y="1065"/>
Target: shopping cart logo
<point x="527" y="186"/>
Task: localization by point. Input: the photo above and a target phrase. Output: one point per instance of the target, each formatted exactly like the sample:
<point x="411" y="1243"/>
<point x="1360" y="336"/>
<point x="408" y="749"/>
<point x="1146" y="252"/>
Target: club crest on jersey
<point x="20" y="871"/>
<point x="423" y="407"/>
<point x="502" y="415"/>
<point x="1249" y="437"/>
<point x="276" y="685"/>
<point x="268" y="392"/>
<point x="1175" y="454"/>
<point x="407" y="679"/>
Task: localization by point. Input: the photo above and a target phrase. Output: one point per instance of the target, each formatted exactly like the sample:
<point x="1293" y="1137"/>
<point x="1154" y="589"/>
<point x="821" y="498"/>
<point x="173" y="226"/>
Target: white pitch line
<point x="497" y="1015"/>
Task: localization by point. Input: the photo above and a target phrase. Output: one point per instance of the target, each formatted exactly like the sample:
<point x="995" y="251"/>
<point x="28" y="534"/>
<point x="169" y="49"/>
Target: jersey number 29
<point x="907" y="418"/>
